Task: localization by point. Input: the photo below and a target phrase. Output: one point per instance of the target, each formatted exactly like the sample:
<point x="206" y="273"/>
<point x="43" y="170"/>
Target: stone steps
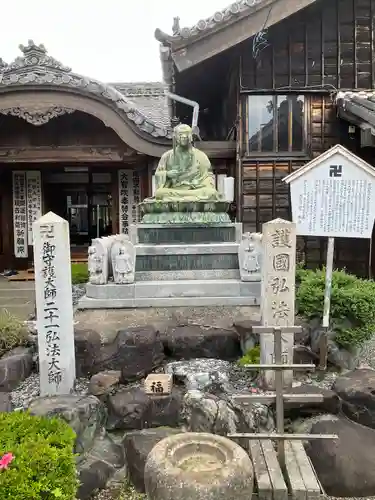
<point x="176" y="293"/>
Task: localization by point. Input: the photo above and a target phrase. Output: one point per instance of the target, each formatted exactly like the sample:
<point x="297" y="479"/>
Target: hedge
<point x="43" y="463"/>
<point x="352" y="313"/>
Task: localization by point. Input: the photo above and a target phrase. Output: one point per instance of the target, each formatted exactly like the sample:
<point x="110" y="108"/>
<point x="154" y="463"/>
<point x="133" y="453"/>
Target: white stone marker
<point x="54" y="305"/>
<point x="278" y="292"/>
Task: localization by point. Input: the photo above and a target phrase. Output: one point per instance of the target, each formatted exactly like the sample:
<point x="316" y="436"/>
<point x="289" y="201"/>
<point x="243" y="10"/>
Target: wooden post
<point x="279" y="382"/>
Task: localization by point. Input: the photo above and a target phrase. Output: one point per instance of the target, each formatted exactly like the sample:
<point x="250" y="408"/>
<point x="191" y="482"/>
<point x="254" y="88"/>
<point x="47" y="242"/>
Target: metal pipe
<point x="188" y="102"/>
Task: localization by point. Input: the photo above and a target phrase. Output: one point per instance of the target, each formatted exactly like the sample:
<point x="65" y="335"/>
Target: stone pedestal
<point x="180" y="265"/>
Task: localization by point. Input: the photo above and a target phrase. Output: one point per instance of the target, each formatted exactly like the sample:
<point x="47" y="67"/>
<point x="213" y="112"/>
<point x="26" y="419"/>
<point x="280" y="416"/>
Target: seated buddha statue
<point x="184" y="173"/>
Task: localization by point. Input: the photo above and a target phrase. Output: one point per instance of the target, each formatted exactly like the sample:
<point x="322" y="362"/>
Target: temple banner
<point x="34" y="201"/>
<point x="129" y="198"/>
<point x="20" y="214"/>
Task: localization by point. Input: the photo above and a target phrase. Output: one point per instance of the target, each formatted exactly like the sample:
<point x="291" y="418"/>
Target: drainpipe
<point x="188" y="102"/>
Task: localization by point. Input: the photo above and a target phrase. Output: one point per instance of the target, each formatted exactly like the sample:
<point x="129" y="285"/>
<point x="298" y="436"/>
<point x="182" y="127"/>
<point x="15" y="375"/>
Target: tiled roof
<point x="143" y="104"/>
<point x="149" y="98"/>
<point x="218" y="19"/>
<point x="357" y="108"/>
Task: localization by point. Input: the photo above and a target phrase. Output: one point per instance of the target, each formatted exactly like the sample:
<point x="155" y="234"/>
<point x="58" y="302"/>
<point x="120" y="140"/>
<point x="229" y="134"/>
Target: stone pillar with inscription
<point x="278" y="292"/>
<point x="54" y="305"/>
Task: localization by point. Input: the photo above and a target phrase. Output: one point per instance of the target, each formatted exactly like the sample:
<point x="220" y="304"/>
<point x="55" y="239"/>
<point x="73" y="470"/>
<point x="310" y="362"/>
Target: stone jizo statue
<point x="95" y="266"/>
<point x="250" y="256"/>
<point x="184" y="173"/>
<point x="123" y="261"/>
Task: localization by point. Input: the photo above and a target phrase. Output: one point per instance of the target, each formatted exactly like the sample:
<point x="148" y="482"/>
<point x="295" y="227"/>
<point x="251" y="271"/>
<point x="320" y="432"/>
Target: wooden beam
<point x="247" y="399"/>
<point x="282" y="437"/>
<point x="188" y="53"/>
<point x="285" y="366"/>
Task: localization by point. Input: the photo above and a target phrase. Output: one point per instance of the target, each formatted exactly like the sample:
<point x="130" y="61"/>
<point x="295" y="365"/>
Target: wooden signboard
<point x="158" y="384"/>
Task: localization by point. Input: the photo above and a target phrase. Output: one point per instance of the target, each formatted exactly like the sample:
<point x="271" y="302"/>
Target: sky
<point x="109" y="40"/>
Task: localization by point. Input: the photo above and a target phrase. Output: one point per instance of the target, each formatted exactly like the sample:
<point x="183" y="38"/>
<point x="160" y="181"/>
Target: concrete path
<point x="18" y="297"/>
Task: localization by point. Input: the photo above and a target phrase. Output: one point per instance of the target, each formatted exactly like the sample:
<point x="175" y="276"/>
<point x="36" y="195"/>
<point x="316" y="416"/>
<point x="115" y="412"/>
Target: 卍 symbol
<point x="335" y="170"/>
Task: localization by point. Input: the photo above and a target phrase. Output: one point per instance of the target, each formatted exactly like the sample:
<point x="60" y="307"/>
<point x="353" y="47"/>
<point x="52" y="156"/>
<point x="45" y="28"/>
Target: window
<point x="276" y="124"/>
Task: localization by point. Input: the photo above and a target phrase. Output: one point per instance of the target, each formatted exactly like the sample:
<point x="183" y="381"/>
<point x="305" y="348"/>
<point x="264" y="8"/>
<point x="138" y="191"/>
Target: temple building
<point x="277" y="83"/>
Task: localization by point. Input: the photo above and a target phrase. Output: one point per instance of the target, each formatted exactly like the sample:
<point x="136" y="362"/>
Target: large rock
<point x="203" y="374"/>
<point x="200" y="467"/>
<point x="98" y="466"/>
<point x="166" y="410"/>
<point x="138" y="445"/>
<point x="204" y="412"/>
<point x="357" y="392"/>
<point x="87" y="345"/>
<point x="15" y="367"/>
<point x="330" y="404"/>
<point x="103" y="383"/>
<point x="130" y="409"/>
<point x="248" y="339"/>
<point x="5" y="402"/>
<point x="135" y="351"/>
<point x="85" y="414"/>
<point x="345" y="467"/>
<point x="336" y="355"/>
<point x="194" y="341"/>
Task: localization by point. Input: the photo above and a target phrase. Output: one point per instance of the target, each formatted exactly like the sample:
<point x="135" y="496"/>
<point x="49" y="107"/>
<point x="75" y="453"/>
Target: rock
<point x="201" y="374"/>
<point x="357" y="392"/>
<point x="87" y="345"/>
<point x="104" y="383"/>
<point x="135" y="351"/>
<point x="92" y="477"/>
<point x="85" y="414"/>
<point x="166" y="410"/>
<point x="194" y="341"/>
<point x="209" y="413"/>
<point x="336" y="355"/>
<point x="345" y="467"/>
<point x="303" y="337"/>
<point x="15" y="367"/>
<point x="129" y="409"/>
<point x="5" y="402"/>
<point x="200" y="467"/>
<point x="330" y="404"/>
<point x="248" y="339"/>
<point x="137" y="446"/>
<point x="302" y="354"/>
<point x="98" y="466"/>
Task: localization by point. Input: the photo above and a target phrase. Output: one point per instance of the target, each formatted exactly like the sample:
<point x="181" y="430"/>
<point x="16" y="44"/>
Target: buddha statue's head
<point x="183" y="136"/>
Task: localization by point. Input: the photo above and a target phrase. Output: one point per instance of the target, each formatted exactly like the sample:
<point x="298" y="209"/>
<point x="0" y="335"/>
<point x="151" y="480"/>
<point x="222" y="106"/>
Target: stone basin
<point x="157" y="206"/>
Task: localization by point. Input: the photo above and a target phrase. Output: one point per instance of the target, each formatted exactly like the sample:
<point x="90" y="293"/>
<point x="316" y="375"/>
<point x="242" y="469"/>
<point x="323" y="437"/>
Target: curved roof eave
<point x="35" y="70"/>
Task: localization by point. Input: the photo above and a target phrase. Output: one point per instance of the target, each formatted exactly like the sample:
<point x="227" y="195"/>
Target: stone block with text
<point x="278" y="292"/>
<point x="54" y="306"/>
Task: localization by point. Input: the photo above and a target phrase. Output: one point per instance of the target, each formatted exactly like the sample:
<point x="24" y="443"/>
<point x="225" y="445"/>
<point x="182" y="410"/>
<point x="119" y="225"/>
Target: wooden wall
<point x="326" y="47"/>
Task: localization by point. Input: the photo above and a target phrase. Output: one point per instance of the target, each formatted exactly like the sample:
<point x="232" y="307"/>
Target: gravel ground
<point x="29" y="390"/>
<point x="78" y="291"/>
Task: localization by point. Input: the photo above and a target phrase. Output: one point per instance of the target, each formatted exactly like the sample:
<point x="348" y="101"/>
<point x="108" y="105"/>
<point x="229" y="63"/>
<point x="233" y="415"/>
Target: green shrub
<point x="13" y="332"/>
<point x="352" y="313"/>
<point x="80" y="273"/>
<point x="43" y="467"/>
<point x="252" y="357"/>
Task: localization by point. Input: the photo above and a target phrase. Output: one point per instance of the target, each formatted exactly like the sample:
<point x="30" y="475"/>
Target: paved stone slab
<point x="175" y="289"/>
<point x="17" y="297"/>
<point x="108" y="321"/>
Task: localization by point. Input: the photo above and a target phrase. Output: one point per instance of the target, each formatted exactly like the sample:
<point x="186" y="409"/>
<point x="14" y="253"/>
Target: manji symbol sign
<point x="335" y="170"/>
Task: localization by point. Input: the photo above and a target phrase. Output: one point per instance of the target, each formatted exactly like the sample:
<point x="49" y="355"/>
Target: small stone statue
<point x="96" y="266"/>
<point x="250" y="256"/>
<point x="184" y="173"/>
<point x="123" y="262"/>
